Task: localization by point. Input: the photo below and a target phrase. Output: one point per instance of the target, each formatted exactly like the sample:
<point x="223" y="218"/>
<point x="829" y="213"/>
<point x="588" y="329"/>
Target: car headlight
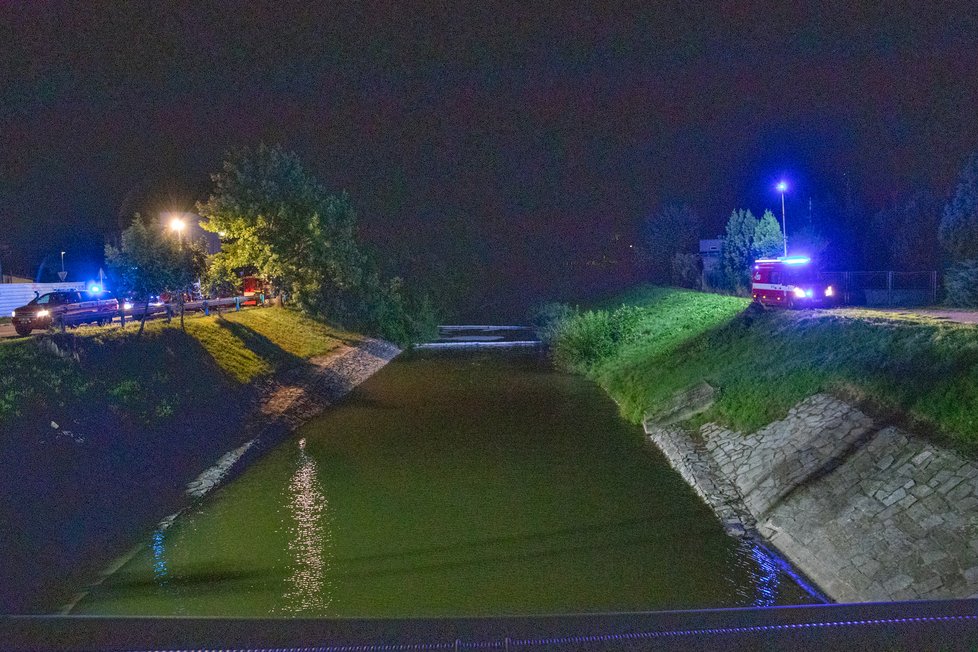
<point x="799" y="293"/>
<point x="127" y="306"/>
<point x="829" y="291"/>
<point x="43" y="313"/>
<point x="13" y="313"/>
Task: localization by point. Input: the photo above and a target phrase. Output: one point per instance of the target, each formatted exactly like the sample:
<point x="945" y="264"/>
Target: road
<point x="959" y="316"/>
<point x="193" y="307"/>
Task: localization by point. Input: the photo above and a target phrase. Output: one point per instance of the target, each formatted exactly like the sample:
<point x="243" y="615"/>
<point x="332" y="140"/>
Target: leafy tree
<point x="767" y="237"/>
<point x="959" y="225"/>
<point x="672" y="229"/>
<point x="961" y="284"/>
<point x="687" y="270"/>
<point x="277" y="218"/>
<point x="914" y="243"/>
<point x="147" y="264"/>
<point x="737" y="253"/>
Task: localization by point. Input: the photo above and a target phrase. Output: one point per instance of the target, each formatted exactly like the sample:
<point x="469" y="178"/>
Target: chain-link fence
<point x="884" y="288"/>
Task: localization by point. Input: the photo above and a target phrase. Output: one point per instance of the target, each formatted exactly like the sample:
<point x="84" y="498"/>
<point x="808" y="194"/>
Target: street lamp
<point x="62" y="274"/>
<point x="178" y="225"/>
<point x="782" y="188"/>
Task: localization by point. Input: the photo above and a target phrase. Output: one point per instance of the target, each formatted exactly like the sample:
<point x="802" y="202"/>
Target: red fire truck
<point x="789" y="282"/>
<point x="252" y="289"/>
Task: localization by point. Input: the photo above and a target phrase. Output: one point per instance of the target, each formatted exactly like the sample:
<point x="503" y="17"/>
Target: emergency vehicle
<point x="789" y="282"/>
<point x="66" y="307"/>
<point x="252" y="289"/>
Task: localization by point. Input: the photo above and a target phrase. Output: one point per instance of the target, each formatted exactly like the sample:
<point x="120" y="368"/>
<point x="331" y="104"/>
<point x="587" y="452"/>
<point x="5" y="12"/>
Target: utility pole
<point x="782" y="187"/>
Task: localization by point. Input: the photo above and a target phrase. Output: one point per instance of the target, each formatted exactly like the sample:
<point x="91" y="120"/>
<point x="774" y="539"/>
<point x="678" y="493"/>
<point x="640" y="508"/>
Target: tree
<point x="276" y="217"/>
<point x="737" y="253"/>
<point x="189" y="266"/>
<point x="674" y="228"/>
<point x="147" y="264"/>
<point x="959" y="226"/>
<point x="914" y="244"/>
<point x="767" y="237"/>
<point x="958" y="234"/>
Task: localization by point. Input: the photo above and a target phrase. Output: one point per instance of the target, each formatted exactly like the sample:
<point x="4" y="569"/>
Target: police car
<point x="65" y="307"/>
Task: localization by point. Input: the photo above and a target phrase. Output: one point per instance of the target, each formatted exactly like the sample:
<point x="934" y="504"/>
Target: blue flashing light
<point x="787" y="260"/>
<point x="94" y="289"/>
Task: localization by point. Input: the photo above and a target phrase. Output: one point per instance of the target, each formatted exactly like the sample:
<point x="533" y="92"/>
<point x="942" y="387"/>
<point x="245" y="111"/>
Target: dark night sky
<point x="519" y="136"/>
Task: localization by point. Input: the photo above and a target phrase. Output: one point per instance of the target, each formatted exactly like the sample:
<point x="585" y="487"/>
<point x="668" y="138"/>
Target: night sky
<point x="524" y="142"/>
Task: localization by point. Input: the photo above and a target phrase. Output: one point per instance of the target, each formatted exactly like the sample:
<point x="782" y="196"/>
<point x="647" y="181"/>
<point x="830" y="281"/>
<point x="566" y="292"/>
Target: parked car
<point x="68" y="307"/>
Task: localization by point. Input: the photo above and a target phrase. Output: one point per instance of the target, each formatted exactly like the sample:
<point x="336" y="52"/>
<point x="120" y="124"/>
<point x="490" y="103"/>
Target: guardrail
<point x="137" y="310"/>
<point x="947" y="624"/>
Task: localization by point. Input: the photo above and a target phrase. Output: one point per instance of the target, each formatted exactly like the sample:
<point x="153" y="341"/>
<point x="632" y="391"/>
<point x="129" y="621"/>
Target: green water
<point x="450" y="485"/>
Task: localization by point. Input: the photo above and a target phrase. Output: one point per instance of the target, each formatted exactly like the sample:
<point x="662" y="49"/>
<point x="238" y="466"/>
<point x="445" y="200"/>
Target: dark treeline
<point x="914" y="231"/>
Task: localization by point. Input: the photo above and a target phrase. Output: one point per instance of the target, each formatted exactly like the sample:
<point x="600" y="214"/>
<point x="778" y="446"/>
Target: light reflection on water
<point x="457" y="485"/>
<point x="310" y="546"/>
<point x="767" y="571"/>
<point x="159" y="558"/>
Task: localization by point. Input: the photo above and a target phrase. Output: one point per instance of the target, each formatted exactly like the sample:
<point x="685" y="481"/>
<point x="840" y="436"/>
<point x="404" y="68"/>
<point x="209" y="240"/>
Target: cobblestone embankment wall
<point x="867" y="513"/>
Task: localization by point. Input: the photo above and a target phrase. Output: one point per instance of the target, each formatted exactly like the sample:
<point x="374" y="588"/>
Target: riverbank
<point x="451" y="484"/>
<point x="112" y="433"/>
<point x="910" y="370"/>
<point x="797" y="427"/>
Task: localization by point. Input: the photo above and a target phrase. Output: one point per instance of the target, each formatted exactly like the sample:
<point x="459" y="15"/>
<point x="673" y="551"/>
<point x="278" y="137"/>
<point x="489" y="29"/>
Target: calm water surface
<point x="450" y="485"/>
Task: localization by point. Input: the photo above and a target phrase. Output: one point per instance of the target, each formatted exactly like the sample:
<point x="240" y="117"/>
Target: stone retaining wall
<point x="867" y="513"/>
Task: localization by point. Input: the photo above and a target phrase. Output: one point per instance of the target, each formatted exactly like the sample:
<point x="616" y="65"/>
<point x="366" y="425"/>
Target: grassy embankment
<point x="914" y="370"/>
<point x="143" y="380"/>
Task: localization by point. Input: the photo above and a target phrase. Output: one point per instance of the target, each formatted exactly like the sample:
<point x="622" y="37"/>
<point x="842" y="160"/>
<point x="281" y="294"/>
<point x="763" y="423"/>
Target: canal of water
<point x="450" y="484"/>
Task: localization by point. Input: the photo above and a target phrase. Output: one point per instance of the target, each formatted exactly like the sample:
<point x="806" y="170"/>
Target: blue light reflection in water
<point x="767" y="579"/>
<point x="769" y="571"/>
<point x="160" y="572"/>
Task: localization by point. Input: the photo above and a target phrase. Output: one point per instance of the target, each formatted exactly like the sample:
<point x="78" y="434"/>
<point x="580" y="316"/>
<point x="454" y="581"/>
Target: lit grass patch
<point x="293" y="332"/>
<point x="913" y="368"/>
<point x="165" y="371"/>
<point x="229" y="351"/>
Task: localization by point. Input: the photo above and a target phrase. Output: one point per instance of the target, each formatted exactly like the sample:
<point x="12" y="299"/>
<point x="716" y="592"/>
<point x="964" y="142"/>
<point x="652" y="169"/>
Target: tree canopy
<point x="768" y="240"/>
<point x="274" y="216"/>
<point x="148" y="263"/>
<point x="737" y="252"/>
<point x="672" y="229"/>
<point x="959" y="225"/>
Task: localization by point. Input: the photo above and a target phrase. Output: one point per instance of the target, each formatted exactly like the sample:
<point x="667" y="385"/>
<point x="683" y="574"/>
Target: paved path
<point x="7" y="330"/>
<point x="960" y="316"/>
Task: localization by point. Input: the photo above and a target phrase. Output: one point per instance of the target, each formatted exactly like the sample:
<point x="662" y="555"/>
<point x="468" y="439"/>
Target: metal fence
<point x="884" y="288"/>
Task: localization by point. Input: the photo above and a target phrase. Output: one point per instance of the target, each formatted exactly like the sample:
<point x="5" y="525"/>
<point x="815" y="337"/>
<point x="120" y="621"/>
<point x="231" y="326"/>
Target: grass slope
<point x="919" y="371"/>
<point x="165" y="371"/>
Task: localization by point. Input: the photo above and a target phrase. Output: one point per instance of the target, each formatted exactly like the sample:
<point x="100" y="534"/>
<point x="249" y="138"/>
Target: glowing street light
<point x="782" y="188"/>
<point x="177" y="225"/>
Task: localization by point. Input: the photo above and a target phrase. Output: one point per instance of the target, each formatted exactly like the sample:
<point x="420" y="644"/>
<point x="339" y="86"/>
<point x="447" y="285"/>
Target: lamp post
<point x="782" y="188"/>
<point x="177" y="225"/>
<point x="62" y="274"/>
